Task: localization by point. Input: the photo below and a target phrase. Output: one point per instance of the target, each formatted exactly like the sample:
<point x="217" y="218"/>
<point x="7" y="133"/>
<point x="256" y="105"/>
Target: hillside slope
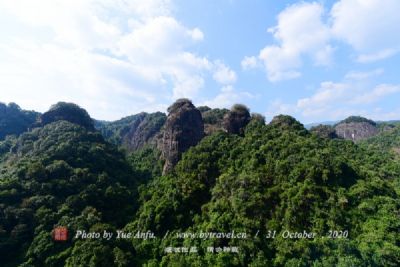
<point x="62" y="174"/>
<point x="276" y="177"/>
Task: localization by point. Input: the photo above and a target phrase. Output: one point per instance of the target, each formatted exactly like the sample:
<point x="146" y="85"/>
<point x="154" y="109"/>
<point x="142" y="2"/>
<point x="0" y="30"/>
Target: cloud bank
<point x="306" y="31"/>
<point x="98" y="53"/>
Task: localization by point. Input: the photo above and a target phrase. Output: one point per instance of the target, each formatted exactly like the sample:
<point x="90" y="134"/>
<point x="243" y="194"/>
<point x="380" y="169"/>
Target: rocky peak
<point x="356" y="128"/>
<point x="183" y="128"/>
<point x="236" y="119"/>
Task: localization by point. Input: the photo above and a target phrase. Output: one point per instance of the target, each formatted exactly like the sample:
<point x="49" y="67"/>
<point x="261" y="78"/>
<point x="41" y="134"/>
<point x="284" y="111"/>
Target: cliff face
<point x="356" y="128"/>
<point x="356" y="131"/>
<point x="183" y="128"/>
<point x="324" y="131"/>
<point x="236" y="119"/>
<point x="144" y="130"/>
<point x="135" y="131"/>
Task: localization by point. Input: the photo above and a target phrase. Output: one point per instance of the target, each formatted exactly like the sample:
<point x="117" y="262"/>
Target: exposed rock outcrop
<point x="115" y="131"/>
<point x="356" y="128"/>
<point x="67" y="112"/>
<point x="324" y="131"/>
<point x="183" y="128"/>
<point x="144" y="130"/>
<point x="236" y="119"/>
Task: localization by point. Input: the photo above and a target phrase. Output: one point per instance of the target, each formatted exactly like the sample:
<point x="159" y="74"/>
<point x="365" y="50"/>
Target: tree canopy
<point x="265" y="180"/>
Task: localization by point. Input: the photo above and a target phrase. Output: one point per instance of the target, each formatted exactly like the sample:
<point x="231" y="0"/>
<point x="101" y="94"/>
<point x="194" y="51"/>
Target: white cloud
<point x="359" y="75"/>
<point x="376" y="94"/>
<point x="158" y="45"/>
<point x="197" y="34"/>
<point x="328" y="92"/>
<point x="335" y="101"/>
<point x="37" y="76"/>
<point x="370" y="26"/>
<point x="300" y="32"/>
<point x="355" y="95"/>
<point x="227" y="97"/>
<point x="382" y="54"/>
<point x="277" y="107"/>
<point x="280" y="64"/>
<point x="223" y="74"/>
<point x="113" y="57"/>
<point x="72" y="22"/>
<point x="249" y="63"/>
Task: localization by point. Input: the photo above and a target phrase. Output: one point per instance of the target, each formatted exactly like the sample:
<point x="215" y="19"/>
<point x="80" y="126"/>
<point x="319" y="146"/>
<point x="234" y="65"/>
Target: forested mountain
<point x="14" y="120"/>
<point x="353" y="128"/>
<point x="356" y="128"/>
<point x="242" y="176"/>
<point x="60" y="174"/>
<point x="67" y="112"/>
<point x="135" y="131"/>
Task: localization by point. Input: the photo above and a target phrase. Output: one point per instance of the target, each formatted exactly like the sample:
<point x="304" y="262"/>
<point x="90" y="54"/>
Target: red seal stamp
<point x="60" y="233"/>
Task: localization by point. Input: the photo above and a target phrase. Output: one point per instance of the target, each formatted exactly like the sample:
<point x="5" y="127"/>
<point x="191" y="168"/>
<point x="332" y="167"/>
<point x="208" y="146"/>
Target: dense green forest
<point x="14" y="120"/>
<point x="245" y="176"/>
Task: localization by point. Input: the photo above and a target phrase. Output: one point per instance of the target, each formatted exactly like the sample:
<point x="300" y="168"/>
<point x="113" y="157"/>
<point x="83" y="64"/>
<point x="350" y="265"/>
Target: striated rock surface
<point x="236" y="119"/>
<point x="183" y="128"/>
<point x="356" y="128"/>
<point x="115" y="131"/>
<point x="144" y="130"/>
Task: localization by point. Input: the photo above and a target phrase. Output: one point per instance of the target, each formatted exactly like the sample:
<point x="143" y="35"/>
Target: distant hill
<point x="353" y="128"/>
<point x="310" y="125"/>
<point x="14" y="120"/>
<point x="356" y="128"/>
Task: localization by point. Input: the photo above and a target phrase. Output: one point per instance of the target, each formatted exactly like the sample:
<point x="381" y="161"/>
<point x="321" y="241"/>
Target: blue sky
<point x="314" y="60"/>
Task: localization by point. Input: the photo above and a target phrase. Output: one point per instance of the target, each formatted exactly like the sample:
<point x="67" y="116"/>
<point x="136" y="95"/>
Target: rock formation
<point x="144" y="130"/>
<point x="236" y="119"/>
<point x="183" y="128"/>
<point x="356" y="128"/>
<point x="324" y="131"/>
